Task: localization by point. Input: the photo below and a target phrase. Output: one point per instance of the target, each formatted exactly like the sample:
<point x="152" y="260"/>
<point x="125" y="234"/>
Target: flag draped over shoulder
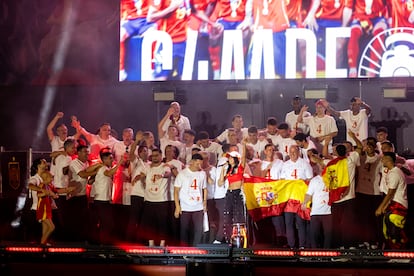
<point x="267" y="197"/>
<point x="336" y="178"/>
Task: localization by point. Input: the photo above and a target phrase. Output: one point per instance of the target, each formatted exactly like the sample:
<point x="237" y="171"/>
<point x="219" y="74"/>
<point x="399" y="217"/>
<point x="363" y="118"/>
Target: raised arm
<point x="52" y="124"/>
<point x="357" y="141"/>
<point x="80" y="130"/>
<point x="302" y="110"/>
<point x="330" y="109"/>
<point x="161" y="129"/>
<point x="138" y="138"/>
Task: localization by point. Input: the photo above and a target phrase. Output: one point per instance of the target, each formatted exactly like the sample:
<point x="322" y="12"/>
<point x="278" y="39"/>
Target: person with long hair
<point x="234" y="210"/>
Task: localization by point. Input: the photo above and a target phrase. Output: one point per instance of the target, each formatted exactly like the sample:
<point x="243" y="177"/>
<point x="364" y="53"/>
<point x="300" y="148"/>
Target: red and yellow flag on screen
<point x="266" y="197"/>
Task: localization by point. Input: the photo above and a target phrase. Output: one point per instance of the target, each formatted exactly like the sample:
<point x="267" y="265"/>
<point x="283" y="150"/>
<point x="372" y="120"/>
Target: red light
<point x="397" y="254"/>
<point x="144" y="251"/>
<point x="283" y="253"/>
<point x="187" y="251"/>
<point x="311" y="253"/>
<point x="24" y="249"/>
<point x="66" y="250"/>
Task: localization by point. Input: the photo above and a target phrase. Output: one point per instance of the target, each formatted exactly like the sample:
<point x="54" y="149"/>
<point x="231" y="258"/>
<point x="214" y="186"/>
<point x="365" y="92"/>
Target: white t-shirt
<point x="223" y="137"/>
<point x="320" y="126"/>
<point x="275" y="169"/>
<point x="353" y="162"/>
<point x="215" y="150"/>
<point x="186" y="152"/>
<point x="191" y="186"/>
<point x="320" y="196"/>
<point x="138" y="166"/>
<point x="394" y="179"/>
<point x="156" y="190"/>
<point x="220" y="191"/>
<point x="97" y="143"/>
<point x="369" y="175"/>
<point x="258" y="148"/>
<point x="304" y="152"/>
<point x="35" y="180"/>
<point x="75" y="167"/>
<point x="296" y="170"/>
<point x="183" y="123"/>
<point x="164" y="142"/>
<point x="283" y="145"/>
<point x="212" y="171"/>
<point x="358" y="124"/>
<point x="292" y="120"/>
<point x="57" y="144"/>
<point x="102" y="187"/>
<point x="61" y="180"/>
<point x="180" y="166"/>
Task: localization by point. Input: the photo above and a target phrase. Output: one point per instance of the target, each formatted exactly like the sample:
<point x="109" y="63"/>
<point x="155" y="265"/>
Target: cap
<point x="234" y="154"/>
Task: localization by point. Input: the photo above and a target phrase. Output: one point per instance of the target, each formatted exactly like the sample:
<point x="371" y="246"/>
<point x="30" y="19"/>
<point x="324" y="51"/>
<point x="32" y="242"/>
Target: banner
<point x="266" y="197"/>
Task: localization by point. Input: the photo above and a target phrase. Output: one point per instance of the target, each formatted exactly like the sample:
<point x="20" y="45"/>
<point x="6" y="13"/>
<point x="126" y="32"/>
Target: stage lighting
<point x="315" y="93"/>
<point x="164" y="96"/>
<point x="238" y="95"/>
<point x="395" y="92"/>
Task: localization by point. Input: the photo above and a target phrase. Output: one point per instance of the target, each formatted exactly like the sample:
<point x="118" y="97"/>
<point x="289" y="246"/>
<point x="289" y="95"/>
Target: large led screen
<point x="265" y="39"/>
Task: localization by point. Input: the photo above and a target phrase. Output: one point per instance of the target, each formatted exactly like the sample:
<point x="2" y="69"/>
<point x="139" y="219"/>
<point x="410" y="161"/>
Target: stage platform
<point x="129" y="259"/>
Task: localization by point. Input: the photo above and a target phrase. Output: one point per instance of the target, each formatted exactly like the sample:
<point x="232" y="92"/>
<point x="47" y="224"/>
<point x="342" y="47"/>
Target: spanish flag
<point x="267" y="197"/>
<point x="336" y="178"/>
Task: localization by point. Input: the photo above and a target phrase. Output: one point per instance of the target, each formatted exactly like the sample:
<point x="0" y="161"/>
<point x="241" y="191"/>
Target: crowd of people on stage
<point x="366" y="19"/>
<point x="139" y="189"/>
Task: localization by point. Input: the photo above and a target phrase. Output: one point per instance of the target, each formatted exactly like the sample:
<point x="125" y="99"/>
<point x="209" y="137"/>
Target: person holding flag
<point x="339" y="178"/>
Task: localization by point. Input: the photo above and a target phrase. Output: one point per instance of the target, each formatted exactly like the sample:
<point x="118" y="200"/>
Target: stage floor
<point x="129" y="259"/>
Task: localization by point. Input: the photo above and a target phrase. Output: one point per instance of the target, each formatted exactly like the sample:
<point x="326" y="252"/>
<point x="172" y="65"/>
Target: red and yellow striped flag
<point x="266" y="197"/>
<point x="336" y="178"/>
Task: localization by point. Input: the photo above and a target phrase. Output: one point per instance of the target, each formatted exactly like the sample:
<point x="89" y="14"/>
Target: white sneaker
<point x="216" y="242"/>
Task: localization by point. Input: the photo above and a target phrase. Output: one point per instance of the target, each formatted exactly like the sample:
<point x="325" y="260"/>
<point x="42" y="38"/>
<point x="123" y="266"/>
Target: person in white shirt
<point x="284" y="139"/>
<point x="213" y="216"/>
<point x="254" y="141"/>
<point x="156" y="205"/>
<point x="205" y="144"/>
<point x="305" y="144"/>
<point x="56" y="141"/>
<point x="103" y="139"/>
<point x="343" y="210"/>
<point x="169" y="138"/>
<point x="356" y="119"/>
<point x="321" y="218"/>
<point x="121" y="188"/>
<point x="394" y="206"/>
<point x="188" y="141"/>
<point x="77" y="203"/>
<point x="292" y="117"/>
<point x="295" y="168"/>
<point x="174" y="117"/>
<point x="271" y="130"/>
<point x="139" y="166"/>
<point x="271" y="168"/>
<point x="220" y="193"/>
<point x="61" y="180"/>
<point x="34" y="229"/>
<point x="190" y="196"/>
<point x="382" y="136"/>
<point x="237" y="125"/>
<point x="368" y="194"/>
<point x="321" y="126"/>
<point x="175" y="165"/>
<point x="102" y="191"/>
